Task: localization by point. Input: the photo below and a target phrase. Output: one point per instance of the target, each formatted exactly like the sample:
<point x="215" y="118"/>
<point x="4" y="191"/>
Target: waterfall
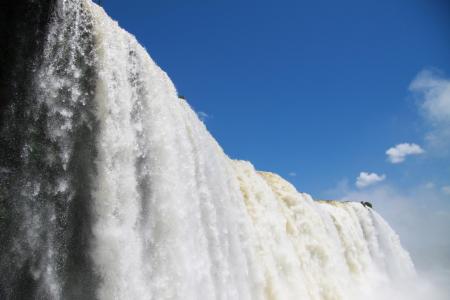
<point x="112" y="188"/>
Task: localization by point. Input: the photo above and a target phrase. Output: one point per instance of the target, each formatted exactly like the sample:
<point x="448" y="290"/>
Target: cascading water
<point x="112" y="188"/>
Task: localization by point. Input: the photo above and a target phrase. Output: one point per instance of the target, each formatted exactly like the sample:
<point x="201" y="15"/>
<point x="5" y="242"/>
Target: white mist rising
<point x="420" y="216"/>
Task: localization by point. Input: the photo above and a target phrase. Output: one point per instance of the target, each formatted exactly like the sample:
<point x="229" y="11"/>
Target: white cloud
<point x="433" y="93"/>
<point x="446" y="189"/>
<point x="398" y="153"/>
<point x="366" y="179"/>
<point x="292" y="174"/>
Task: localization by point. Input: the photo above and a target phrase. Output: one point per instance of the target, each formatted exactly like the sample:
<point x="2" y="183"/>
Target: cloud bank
<point x="432" y="90"/>
<point x="435" y="93"/>
<point x="398" y="153"/>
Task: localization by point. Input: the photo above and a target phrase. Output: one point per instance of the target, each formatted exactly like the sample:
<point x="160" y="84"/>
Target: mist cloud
<point x="432" y="91"/>
<point x="421" y="217"/>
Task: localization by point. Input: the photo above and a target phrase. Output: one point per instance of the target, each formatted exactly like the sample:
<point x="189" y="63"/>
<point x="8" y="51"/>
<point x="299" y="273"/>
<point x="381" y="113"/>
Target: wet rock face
<point x="26" y="124"/>
<point x="23" y="25"/>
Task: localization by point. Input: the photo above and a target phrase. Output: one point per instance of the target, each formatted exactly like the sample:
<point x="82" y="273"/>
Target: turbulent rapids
<point x="112" y="188"/>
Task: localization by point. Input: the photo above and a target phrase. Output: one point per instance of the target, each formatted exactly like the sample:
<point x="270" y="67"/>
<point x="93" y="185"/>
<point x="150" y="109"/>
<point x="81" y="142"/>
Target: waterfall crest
<point x="120" y="192"/>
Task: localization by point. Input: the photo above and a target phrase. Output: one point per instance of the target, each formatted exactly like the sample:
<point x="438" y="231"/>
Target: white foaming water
<point x="175" y="218"/>
<point x="170" y="221"/>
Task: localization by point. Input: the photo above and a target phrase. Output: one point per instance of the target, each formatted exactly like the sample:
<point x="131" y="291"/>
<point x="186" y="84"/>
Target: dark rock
<point x="367" y="204"/>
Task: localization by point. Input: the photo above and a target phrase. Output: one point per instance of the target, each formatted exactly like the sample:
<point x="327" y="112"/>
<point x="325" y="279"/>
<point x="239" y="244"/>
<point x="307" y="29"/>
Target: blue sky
<point x="315" y="88"/>
<point x="322" y="89"/>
